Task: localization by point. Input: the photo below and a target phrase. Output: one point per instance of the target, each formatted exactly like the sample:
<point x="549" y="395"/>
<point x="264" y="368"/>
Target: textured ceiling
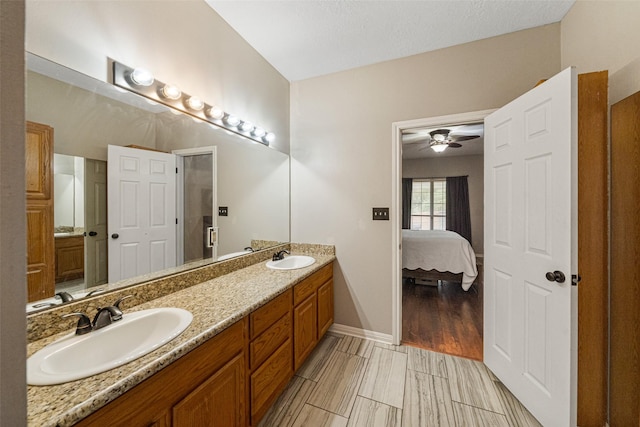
<point x="309" y="38"/>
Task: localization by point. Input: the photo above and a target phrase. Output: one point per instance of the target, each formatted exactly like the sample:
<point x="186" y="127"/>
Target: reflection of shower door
<point x="95" y="222"/>
<point x="196" y="203"/>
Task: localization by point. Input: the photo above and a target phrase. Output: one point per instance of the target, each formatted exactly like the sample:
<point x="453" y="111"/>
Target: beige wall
<point x="473" y="167"/>
<point x="341" y="148"/>
<point x="604" y="35"/>
<point x="13" y="283"/>
<point x="184" y="42"/>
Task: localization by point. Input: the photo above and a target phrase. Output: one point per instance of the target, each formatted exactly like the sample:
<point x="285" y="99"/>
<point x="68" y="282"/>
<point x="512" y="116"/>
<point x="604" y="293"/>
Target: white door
<point x="142" y="211"/>
<point x="531" y="229"/>
<point x="95" y="222"/>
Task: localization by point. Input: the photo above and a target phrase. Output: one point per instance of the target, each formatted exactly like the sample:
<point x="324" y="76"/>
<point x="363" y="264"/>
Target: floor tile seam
<point x="326" y="410"/>
<point x="481" y="408"/>
<point x="383" y="403"/>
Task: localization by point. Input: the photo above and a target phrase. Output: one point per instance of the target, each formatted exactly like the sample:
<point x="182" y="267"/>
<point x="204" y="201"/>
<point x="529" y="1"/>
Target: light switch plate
<point x="381" y="214"/>
<point x="223" y="211"/>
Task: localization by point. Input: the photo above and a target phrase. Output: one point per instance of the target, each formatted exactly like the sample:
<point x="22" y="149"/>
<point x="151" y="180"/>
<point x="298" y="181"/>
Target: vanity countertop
<point x="215" y="305"/>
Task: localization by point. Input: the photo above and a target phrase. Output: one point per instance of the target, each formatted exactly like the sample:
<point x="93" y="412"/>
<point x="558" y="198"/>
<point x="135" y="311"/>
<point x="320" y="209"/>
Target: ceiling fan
<point x="439" y="139"/>
<point x="442" y="138"/>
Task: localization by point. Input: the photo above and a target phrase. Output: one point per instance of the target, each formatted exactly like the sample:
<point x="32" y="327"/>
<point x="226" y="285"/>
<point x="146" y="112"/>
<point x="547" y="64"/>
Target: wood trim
<point x="625" y="269"/>
<point x="592" y="248"/>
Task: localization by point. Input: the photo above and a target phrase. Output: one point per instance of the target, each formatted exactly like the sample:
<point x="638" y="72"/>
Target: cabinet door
<point x="218" y="402"/>
<point x="304" y="329"/>
<point x="325" y="308"/>
<point x="39" y="207"/>
<point x="268" y="381"/>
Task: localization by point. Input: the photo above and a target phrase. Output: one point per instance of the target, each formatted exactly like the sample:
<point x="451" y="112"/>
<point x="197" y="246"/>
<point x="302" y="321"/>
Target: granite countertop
<point x="215" y="305"/>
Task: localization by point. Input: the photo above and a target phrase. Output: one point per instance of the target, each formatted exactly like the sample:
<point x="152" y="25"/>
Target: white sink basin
<point x="292" y="262"/>
<point x="80" y="356"/>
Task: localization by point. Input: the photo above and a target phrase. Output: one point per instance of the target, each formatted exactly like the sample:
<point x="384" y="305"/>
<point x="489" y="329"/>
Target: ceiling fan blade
<point x="456" y="138"/>
<point x="454" y="145"/>
<point x="415" y="138"/>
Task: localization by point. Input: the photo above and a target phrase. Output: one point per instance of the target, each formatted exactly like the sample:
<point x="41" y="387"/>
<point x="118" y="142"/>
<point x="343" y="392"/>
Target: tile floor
<point x="349" y="381"/>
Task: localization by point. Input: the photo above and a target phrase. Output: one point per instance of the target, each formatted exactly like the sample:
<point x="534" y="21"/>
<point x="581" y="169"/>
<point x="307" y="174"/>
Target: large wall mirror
<point x="230" y="192"/>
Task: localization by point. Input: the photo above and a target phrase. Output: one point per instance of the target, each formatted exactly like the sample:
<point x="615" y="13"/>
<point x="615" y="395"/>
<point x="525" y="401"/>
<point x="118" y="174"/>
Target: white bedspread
<point x="439" y="250"/>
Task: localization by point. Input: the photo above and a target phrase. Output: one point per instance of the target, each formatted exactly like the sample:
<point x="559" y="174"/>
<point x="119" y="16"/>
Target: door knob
<point x="115" y="235"/>
<point x="556" y="276"/>
<point x="93" y="233"/>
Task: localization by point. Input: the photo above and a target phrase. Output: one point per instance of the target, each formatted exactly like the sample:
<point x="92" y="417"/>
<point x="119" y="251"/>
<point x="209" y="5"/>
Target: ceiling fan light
<point x="439" y="148"/>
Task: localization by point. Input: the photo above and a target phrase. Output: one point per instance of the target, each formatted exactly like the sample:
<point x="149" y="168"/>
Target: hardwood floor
<point x="443" y="318"/>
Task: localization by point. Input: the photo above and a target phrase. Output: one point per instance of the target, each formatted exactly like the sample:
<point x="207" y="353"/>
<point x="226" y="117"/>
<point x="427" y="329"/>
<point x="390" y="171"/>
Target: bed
<point x="442" y="251"/>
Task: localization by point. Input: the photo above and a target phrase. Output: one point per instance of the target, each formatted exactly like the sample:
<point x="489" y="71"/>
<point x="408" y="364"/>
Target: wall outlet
<point x="223" y="211"/>
<point x="381" y="214"/>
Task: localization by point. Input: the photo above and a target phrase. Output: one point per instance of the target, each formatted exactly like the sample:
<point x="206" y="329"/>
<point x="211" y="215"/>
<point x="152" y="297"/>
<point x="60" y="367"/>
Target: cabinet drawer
<point x="269" y="313"/>
<point x="268" y="381"/>
<point x="309" y="285"/>
<point x="267" y="342"/>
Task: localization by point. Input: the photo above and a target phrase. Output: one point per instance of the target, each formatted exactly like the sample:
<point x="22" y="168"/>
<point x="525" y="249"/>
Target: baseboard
<point x="361" y="333"/>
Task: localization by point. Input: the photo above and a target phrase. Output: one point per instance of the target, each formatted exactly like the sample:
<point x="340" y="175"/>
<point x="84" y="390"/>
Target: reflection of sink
<point x="291" y="262"/>
<point x="80" y="356"/>
<point x="232" y="255"/>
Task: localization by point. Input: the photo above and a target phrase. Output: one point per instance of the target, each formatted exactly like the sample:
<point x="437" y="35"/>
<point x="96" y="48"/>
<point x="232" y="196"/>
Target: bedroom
<point x="441" y="310"/>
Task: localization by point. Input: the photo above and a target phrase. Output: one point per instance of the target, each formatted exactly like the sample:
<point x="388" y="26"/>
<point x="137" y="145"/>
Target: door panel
<point x="530" y="230"/>
<point x="142" y="211"/>
<point x="95" y="222"/>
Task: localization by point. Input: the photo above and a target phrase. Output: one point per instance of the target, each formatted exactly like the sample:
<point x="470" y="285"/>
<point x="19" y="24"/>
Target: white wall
<point x="341" y="148"/>
<point x="184" y="42"/>
<point x="441" y="167"/>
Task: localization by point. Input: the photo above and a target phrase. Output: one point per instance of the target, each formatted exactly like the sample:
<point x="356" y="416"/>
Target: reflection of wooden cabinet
<point x="69" y="258"/>
<point x="205" y="387"/>
<point x="39" y="210"/>
<point x="270" y="349"/>
<point x="312" y="312"/>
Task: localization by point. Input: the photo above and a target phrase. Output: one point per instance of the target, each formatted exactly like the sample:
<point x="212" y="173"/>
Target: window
<point x="428" y="204"/>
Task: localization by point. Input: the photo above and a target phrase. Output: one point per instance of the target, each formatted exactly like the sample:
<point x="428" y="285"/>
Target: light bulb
<point x="215" y="113"/>
<point x="142" y="77"/>
<point x="195" y="103"/>
<point x="170" y="91"/>
<point x="231" y="120"/>
<point x="439" y="148"/>
<point x="258" y="132"/>
<point x="246" y="126"/>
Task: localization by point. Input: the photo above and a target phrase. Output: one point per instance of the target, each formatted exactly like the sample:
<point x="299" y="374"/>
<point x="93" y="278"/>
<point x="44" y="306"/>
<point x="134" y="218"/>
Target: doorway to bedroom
<point x="441" y="172"/>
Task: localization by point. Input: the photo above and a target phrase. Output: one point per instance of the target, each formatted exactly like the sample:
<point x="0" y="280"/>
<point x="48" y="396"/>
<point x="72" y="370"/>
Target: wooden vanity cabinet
<point x="270" y="354"/>
<point x="205" y="387"/>
<point x="312" y="312"/>
<point x="69" y="258"/>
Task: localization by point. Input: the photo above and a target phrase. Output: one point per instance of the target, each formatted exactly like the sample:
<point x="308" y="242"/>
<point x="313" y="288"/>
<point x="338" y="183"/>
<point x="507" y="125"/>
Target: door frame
<point x="180" y="154"/>
<point x="396" y="205"/>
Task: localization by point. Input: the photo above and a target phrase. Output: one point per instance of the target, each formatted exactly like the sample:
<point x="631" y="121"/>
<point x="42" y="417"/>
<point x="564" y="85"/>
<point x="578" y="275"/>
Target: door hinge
<point x="575" y="279"/>
<point x="176" y="170"/>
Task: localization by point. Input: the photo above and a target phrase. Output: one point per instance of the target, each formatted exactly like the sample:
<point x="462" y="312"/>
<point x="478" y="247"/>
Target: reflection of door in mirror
<point x="141" y="194"/>
<point x="95" y="222"/>
<point x="40" y="245"/>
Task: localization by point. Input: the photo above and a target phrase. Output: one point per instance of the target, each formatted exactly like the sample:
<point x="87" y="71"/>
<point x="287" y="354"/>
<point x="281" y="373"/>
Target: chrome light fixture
<point x="142" y="82"/>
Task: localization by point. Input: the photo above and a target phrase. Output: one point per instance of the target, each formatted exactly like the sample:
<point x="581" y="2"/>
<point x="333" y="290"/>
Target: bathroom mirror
<point x="251" y="181"/>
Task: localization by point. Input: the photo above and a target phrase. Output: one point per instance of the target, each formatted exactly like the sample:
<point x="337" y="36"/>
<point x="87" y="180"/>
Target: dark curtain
<point x="458" y="214"/>
<point x="407" y="184"/>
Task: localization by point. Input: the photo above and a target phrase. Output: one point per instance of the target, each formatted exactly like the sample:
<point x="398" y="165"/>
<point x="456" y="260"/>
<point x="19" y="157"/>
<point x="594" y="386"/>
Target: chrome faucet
<point x="279" y="255"/>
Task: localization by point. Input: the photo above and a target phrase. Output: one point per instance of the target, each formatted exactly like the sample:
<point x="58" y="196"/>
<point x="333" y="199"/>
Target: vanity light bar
<point x="143" y="83"/>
